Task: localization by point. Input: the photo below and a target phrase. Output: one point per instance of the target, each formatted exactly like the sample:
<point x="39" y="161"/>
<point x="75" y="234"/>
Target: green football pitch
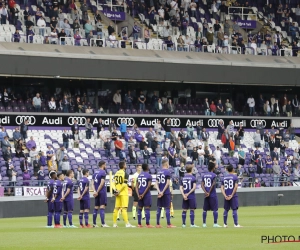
<point x="30" y="233"/>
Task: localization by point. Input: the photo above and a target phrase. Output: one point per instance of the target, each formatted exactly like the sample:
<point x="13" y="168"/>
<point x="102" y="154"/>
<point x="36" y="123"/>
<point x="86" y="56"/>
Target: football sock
<point x="119" y="212"/>
<point x="70" y="218"/>
<point x="95" y="213"/>
<point x="80" y="218"/>
<point x="86" y="218"/>
<point x="133" y="211"/>
<point x="172" y="209"/>
<point x="183" y="217"/>
<point x="143" y="213"/>
<point x="168" y="216"/>
<point x="162" y="212"/>
<point x="115" y="215"/>
<point x="204" y="217"/>
<point x="215" y="213"/>
<point x="192" y="216"/>
<point x="225" y="216"/>
<point x="147" y="213"/>
<point x="102" y="215"/>
<point x="158" y="212"/>
<point x="50" y="218"/>
<point x="235" y="217"/>
<point x="57" y="216"/>
<point x="139" y="216"/>
<point x="65" y="218"/>
<point x="125" y="215"/>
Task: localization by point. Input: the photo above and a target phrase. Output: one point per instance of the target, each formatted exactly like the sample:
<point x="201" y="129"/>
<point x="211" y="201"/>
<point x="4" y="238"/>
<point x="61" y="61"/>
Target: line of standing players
<point x="60" y="194"/>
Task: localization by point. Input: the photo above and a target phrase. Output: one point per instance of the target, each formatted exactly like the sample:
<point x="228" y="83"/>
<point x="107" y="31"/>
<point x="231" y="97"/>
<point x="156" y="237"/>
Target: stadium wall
<point x="28" y="60"/>
<point x="59" y="120"/>
<point x="34" y="206"/>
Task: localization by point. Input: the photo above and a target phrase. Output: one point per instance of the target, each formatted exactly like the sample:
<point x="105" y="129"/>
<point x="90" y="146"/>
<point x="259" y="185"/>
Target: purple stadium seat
<point x="44" y="109"/>
<point x="184" y="107"/>
<point x="140" y="111"/>
<point x="121" y="111"/>
<point x="9" y="109"/>
<point x="189" y="112"/>
<point x="147" y="112"/>
<point x="183" y="112"/>
<point x="133" y="111"/>
<point x="127" y="111"/>
<point x="177" y="112"/>
<point x="23" y="109"/>
<point x="16" y="109"/>
<point x="13" y="103"/>
<point x="2" y="109"/>
<point x="195" y="112"/>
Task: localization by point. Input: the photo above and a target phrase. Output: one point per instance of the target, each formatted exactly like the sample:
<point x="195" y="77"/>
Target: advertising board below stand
<point x="211" y="122"/>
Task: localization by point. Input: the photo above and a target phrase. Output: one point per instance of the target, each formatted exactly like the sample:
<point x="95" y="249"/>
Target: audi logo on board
<point x="213" y="123"/>
<point x="20" y="119"/>
<point x="175" y="122"/>
<point x="254" y="123"/>
<point x="129" y="121"/>
<point x="80" y="120"/>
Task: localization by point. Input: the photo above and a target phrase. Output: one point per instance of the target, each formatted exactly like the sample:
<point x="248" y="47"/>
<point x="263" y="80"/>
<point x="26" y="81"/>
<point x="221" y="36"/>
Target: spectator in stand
<point x="41" y="176"/>
<point x="284" y="102"/>
<point x="117" y="99"/>
<point x="77" y="38"/>
<point x="257" y="138"/>
<point x="146" y="35"/>
<point x="61" y="37"/>
<point x="112" y="126"/>
<point x="7" y="153"/>
<point x="251" y="104"/>
<point x="60" y="154"/>
<point x="128" y="100"/>
<point x="288" y="109"/>
<point x="142" y="99"/>
<point x="206" y="107"/>
<point x="210" y="36"/>
<point x="88" y="28"/>
<point x="88" y="129"/>
<point x="260" y="127"/>
<point x="37" y="102"/>
<point x="14" y="14"/>
<point x="52" y="105"/>
<point x="16" y="136"/>
<point x="123" y="128"/>
<point x="110" y="29"/>
<point x="220" y="108"/>
<point x="31" y="143"/>
<point x="84" y="7"/>
<point x="220" y="36"/>
<point x="16" y="36"/>
<point x="213" y="108"/>
<point x="132" y="155"/>
<point x="170" y="107"/>
<point x="214" y="11"/>
<point x="146" y="155"/>
<point x="66" y="138"/>
<point x="136" y="31"/>
<point x="267" y="109"/>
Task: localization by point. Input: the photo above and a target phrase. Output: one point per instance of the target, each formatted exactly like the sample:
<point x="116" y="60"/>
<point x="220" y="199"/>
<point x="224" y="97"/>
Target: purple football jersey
<point x="161" y="178"/>
<point x="68" y="184"/>
<point x="229" y="182"/>
<point x="98" y="176"/>
<point x="208" y="179"/>
<point x="50" y="187"/>
<point x="143" y="179"/>
<point x="57" y="189"/>
<point x="83" y="183"/>
<point x="187" y="182"/>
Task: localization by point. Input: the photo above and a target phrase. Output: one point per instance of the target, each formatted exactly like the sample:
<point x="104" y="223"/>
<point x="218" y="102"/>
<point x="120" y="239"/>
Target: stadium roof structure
<point x="74" y="62"/>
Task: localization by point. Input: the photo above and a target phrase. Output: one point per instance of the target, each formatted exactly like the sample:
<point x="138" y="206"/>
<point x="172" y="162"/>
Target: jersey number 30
<point x="118" y="179"/>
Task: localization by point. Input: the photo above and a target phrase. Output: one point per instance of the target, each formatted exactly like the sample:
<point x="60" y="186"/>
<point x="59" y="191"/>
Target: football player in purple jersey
<point x="229" y="190"/>
<point x="67" y="199"/>
<point x="57" y="194"/>
<point x="100" y="194"/>
<point x="49" y="193"/>
<point x="208" y="185"/>
<point x="187" y="189"/>
<point x="84" y="198"/>
<point x="164" y="194"/>
<point x="142" y="189"/>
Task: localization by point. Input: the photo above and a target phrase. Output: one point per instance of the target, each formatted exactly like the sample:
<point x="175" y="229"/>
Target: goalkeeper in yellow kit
<point x="120" y="190"/>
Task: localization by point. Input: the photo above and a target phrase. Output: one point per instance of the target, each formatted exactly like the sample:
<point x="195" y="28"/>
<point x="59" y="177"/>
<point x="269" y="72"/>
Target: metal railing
<point x="242" y="12"/>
